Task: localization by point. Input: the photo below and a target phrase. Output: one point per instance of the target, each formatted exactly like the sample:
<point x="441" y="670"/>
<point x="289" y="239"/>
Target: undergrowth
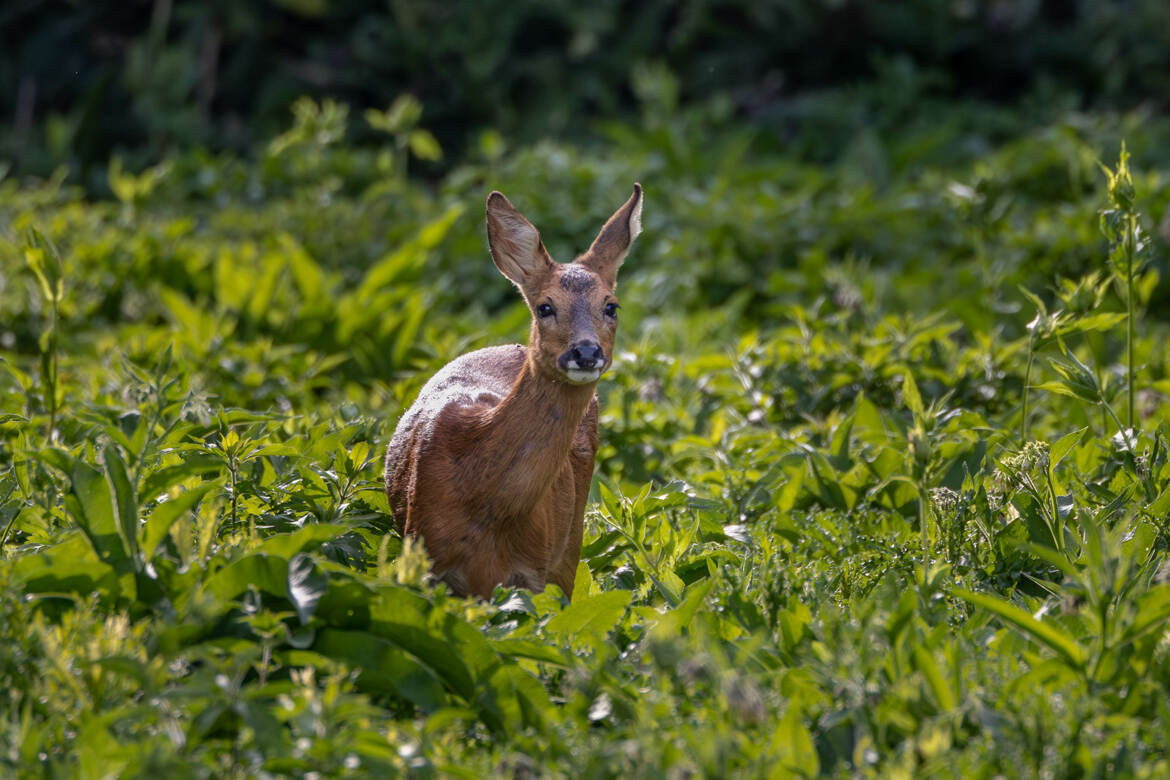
<point x="882" y="491"/>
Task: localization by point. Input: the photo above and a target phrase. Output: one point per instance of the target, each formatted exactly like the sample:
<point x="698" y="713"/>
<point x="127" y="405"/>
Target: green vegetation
<point x="883" y="488"/>
<point x="81" y="79"/>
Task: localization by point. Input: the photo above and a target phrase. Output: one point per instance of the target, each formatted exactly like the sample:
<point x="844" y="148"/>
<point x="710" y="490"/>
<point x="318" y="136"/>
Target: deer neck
<point x="531" y="431"/>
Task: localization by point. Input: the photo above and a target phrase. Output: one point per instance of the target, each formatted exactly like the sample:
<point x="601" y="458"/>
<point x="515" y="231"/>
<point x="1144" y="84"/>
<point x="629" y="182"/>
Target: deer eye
<point x="545" y="310"/>
<point x="611" y="309"/>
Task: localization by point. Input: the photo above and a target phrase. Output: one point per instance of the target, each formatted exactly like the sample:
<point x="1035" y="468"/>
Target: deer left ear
<point x="609" y="249"/>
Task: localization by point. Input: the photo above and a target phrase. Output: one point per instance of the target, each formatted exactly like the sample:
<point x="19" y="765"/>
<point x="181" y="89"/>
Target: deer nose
<point x="586" y="354"/>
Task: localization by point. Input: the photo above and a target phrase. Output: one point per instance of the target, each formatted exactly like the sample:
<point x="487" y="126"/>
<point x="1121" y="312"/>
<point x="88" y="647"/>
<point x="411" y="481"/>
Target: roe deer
<point x="491" y="464"/>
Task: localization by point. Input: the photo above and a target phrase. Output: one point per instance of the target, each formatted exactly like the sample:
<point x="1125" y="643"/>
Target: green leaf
<point x="1153" y="613"/>
<point x="792" y="747"/>
<point x="590" y="619"/>
<point x="425" y="146"/>
<point x="515" y="699"/>
<point x="91" y="502"/>
<point x="526" y="648"/>
<point x="1063" y="446"/>
<point x="269" y="450"/>
<point x="1079" y="380"/>
<point x="384" y="666"/>
<point x="1160" y="506"/>
<point x="910" y="395"/>
<point x="45" y="261"/>
<point x="943" y="695"/>
<point x="455" y="649"/>
<point x="307" y="539"/>
<point x="1048" y="635"/>
<point x="158" y="525"/>
<point x="306" y="585"/>
<point x="1100" y="321"/>
<point x="1035" y="300"/>
<point x="72" y="566"/>
<point x="125" y="500"/>
<point x="163" y="479"/>
<point x="267" y="573"/>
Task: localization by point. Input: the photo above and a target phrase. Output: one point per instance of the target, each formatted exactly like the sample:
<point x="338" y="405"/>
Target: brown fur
<point x="491" y="464"/>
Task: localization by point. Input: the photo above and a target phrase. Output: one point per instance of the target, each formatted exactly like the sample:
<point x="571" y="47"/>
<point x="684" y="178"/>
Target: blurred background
<point x="80" y="81"/>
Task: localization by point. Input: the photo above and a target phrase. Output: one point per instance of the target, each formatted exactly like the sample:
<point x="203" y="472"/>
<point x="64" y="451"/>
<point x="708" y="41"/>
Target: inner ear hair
<point x="515" y="243"/>
<point x="609" y="249"/>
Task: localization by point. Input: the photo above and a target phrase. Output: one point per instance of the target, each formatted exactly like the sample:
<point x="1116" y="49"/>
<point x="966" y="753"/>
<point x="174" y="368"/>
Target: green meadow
<point x="883" y="487"/>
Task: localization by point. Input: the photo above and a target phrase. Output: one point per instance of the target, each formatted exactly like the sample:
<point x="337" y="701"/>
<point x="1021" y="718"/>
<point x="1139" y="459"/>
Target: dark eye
<point x="611" y="309"/>
<point x="545" y="310"/>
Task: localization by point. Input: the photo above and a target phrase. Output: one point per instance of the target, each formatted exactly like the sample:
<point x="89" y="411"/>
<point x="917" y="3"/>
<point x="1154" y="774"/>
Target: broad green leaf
<point x="163" y="479"/>
<point x="306" y="585"/>
<point x="1063" y="446"/>
<point x="268" y="450"/>
<point x="1099" y="321"/>
<point x="785" y="497"/>
<point x="1079" y="380"/>
<point x="1056" y="559"/>
<point x="1153" y="613"/>
<point x="158" y="525"/>
<point x="793" y="752"/>
<point x="424" y="146"/>
<point x="527" y="648"/>
<point x="125" y="500"/>
<point x="1048" y="635"/>
<point x="456" y="650"/>
<point x="590" y="619"/>
<point x="307" y="539"/>
<point x="1160" y="506"/>
<point x="71" y="566"/>
<point x="384" y="666"/>
<point x="266" y="573"/>
<point x="696" y="597"/>
<point x="56" y="458"/>
<point x="516" y="700"/>
<point x="924" y="662"/>
<point x="583" y="583"/>
<point x="910" y="395"/>
<point x="307" y="274"/>
<point x="91" y="502"/>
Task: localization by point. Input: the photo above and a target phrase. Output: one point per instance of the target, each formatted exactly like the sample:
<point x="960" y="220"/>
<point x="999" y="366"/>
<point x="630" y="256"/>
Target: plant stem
<point x="50" y="377"/>
<point x="1125" y="433"/>
<point x="924" y="525"/>
<point x="1057" y="523"/>
<point x="1130" y="240"/>
<point x="1027" y="384"/>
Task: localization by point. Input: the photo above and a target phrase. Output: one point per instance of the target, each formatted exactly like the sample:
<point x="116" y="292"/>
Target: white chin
<point x="581" y="376"/>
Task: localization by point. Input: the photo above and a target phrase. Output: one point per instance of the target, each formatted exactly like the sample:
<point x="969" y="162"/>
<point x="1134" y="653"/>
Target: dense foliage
<point x="883" y="490"/>
<point x="81" y="80"/>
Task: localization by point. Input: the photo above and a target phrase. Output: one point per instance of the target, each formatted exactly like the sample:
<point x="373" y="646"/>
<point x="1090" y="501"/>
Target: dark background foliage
<point x="80" y="80"/>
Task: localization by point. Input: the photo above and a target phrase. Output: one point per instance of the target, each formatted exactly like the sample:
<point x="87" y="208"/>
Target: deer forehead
<point x="578" y="280"/>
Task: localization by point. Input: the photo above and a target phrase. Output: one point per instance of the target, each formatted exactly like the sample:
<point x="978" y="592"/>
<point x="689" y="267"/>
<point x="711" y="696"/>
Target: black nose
<point x="587" y="354"/>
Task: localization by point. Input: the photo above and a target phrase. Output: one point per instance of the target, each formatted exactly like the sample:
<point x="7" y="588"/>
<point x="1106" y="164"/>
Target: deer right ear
<point x="516" y="247"/>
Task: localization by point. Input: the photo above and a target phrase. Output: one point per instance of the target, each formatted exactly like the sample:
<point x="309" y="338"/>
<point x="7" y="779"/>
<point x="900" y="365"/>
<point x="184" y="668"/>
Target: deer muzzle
<point x="583" y="362"/>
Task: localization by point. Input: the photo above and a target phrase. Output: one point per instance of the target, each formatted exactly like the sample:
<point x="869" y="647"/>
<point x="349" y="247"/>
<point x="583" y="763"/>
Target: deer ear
<point x="516" y="247"/>
<point x="612" y="244"/>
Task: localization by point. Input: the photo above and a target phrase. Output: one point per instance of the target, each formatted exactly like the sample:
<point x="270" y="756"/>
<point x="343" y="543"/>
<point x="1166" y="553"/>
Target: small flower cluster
<point x="1034" y="457"/>
<point x="944" y="499"/>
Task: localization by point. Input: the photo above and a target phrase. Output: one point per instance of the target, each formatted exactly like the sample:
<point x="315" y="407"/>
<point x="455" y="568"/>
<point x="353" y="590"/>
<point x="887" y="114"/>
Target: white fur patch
<point x="636" y="219"/>
<point x="580" y="376"/>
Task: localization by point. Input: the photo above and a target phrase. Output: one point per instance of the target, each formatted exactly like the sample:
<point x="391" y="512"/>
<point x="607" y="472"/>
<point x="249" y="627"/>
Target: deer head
<point x="574" y="308"/>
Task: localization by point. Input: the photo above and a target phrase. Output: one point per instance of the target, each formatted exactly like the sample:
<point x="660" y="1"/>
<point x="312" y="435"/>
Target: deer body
<point x="491" y="465"/>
